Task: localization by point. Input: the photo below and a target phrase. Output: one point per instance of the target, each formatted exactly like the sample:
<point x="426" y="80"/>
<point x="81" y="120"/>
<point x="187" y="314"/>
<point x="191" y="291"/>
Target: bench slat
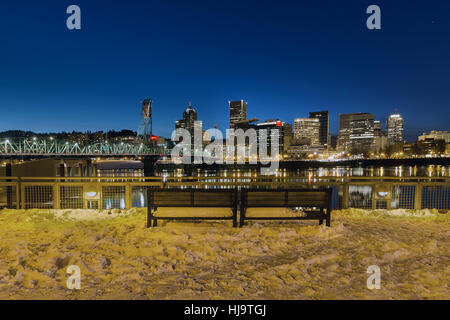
<point x="294" y="199"/>
<point x="214" y="198"/>
<point x="161" y="198"/>
<point x="265" y="199"/>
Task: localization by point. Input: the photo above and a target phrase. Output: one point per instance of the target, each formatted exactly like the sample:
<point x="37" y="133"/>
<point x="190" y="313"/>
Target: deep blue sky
<point x="285" y="58"/>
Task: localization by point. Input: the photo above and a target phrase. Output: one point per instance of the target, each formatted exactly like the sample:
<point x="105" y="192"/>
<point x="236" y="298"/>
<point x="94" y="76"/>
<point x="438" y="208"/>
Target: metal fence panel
<point x="360" y="196"/>
<point x="8" y="196"/>
<point x="113" y="197"/>
<point x="38" y="197"/>
<point x="71" y="197"/>
<point x="139" y="195"/>
<point x="381" y="204"/>
<point x="436" y="197"/>
<point x="403" y="197"/>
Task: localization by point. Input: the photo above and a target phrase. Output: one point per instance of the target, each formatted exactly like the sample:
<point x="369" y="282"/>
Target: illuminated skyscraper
<point x="190" y="123"/>
<point x="273" y="128"/>
<point x="324" y="127"/>
<point x="356" y="130"/>
<point x="379" y="136"/>
<point x="307" y="131"/>
<point x="362" y="133"/>
<point x="394" y="127"/>
<point x="238" y="112"/>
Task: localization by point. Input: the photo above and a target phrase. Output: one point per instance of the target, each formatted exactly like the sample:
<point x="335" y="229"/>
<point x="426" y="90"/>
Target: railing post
<point x="374" y="200"/>
<point x="128" y="196"/>
<point x="22" y="196"/>
<point x="83" y="192"/>
<point x="345" y="196"/>
<point x="17" y="186"/>
<point x="418" y="197"/>
<point x="389" y="200"/>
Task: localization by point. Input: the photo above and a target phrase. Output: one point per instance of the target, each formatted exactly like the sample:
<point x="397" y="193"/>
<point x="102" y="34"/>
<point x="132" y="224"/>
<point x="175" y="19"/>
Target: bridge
<point x="55" y="148"/>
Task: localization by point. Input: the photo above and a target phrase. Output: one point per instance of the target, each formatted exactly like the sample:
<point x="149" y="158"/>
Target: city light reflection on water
<point x="397" y="171"/>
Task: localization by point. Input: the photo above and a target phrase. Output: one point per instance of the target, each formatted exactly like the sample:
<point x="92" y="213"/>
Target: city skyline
<point x="305" y="58"/>
<point x="312" y="116"/>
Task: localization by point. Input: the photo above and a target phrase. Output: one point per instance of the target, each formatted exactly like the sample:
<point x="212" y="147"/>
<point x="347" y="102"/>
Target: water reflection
<point x="397" y="171"/>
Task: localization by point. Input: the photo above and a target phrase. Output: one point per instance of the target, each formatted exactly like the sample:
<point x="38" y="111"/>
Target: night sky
<point x="285" y="58"/>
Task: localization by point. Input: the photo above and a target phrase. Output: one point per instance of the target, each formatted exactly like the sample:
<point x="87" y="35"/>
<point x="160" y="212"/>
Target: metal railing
<point x="128" y="192"/>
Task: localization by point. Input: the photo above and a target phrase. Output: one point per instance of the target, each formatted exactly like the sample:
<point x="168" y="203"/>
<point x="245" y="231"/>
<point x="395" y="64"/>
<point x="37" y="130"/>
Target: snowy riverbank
<point x="121" y="259"/>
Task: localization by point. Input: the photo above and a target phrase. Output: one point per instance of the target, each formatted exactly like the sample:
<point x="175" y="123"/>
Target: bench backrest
<point x="224" y="198"/>
<point x="319" y="198"/>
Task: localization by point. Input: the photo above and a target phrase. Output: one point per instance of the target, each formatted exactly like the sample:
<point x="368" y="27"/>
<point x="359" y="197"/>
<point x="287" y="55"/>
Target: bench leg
<point x="235" y="222"/>
<point x="241" y="223"/>
<point x="320" y="222"/>
<point x="155" y="223"/>
<point x="328" y="220"/>
<point x="149" y="220"/>
<point x="242" y="218"/>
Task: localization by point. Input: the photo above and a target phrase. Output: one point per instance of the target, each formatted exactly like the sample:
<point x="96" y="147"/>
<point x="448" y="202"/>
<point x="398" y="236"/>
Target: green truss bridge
<point x="54" y="148"/>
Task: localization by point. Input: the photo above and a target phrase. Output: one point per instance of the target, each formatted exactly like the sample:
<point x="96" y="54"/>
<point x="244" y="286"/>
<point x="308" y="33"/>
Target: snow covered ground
<point x="120" y="259"/>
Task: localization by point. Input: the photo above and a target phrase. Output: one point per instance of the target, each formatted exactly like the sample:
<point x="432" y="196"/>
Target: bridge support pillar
<point x="149" y="166"/>
<point x="62" y="170"/>
<point x="188" y="170"/>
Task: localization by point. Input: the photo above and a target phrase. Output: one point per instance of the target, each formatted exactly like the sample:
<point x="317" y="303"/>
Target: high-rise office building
<point x="274" y="128"/>
<point x="307" y="131"/>
<point x="288" y="137"/>
<point x="189" y="118"/>
<point x="324" y="126"/>
<point x="362" y="133"/>
<point x="380" y="138"/>
<point x="394" y="127"/>
<point x="189" y="122"/>
<point x="377" y="127"/>
<point x="238" y="112"/>
<point x="352" y="132"/>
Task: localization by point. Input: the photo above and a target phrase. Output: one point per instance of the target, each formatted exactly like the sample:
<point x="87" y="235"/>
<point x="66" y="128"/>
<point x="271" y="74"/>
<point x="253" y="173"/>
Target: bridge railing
<point x="27" y="147"/>
<point x="128" y="192"/>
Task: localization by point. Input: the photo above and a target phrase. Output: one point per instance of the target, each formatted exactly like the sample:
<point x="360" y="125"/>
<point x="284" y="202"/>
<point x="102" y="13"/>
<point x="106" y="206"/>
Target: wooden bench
<point x="191" y="198"/>
<point x="317" y="201"/>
